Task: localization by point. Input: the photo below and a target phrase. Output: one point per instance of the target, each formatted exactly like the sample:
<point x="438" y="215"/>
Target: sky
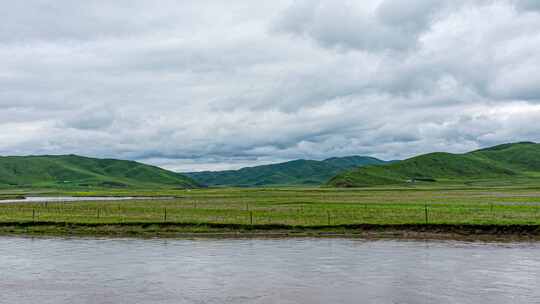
<point x="212" y="85"/>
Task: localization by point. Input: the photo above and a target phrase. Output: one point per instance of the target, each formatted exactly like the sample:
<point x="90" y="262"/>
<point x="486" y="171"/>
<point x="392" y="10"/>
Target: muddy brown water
<point x="301" y="270"/>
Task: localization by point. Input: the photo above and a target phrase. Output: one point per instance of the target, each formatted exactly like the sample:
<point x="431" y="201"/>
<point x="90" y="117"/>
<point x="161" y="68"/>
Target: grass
<point x="10" y="196"/>
<point x="504" y="164"/>
<point x="72" y="171"/>
<point x="296" y="172"/>
<point x="286" y="209"/>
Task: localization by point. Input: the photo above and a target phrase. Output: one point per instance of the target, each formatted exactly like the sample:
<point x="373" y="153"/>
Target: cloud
<point x="94" y="118"/>
<point x="528" y="4"/>
<point x="201" y="85"/>
<point x="367" y="25"/>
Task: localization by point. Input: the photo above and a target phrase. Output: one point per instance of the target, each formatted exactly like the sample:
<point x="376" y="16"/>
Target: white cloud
<point x="208" y="84"/>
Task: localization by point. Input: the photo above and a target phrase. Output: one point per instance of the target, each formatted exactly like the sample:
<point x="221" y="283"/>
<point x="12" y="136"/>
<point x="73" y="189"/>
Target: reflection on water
<point x="266" y="271"/>
<point x="53" y="199"/>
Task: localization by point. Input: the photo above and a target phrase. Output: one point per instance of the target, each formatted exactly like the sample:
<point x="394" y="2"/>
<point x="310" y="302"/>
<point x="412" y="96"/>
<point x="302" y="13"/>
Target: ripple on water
<point x="307" y="270"/>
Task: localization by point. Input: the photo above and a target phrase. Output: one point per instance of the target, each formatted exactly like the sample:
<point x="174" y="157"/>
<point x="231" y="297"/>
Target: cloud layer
<point x="193" y="85"/>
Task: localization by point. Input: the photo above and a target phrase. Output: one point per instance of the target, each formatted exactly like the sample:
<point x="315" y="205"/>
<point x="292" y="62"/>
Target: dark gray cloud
<point x="218" y="84"/>
<point x="528" y="4"/>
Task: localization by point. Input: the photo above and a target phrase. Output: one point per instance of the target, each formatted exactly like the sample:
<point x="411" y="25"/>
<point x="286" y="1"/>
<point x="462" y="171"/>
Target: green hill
<point x="296" y="172"/>
<point x="77" y="171"/>
<point x="503" y="162"/>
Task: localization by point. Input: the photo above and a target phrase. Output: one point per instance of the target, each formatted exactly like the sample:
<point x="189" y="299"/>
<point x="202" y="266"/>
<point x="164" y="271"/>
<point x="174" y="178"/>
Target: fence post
<point x="164" y="214"/>
<point x="426" y="213"/>
<point x="328" y="217"/>
<point x="251" y="217"/>
<point x="33" y="215"/>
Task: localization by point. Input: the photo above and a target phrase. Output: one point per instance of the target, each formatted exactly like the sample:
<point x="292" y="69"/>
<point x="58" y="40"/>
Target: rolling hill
<point x="77" y="171"/>
<point x="296" y="172"/>
<point x="504" y="162"/>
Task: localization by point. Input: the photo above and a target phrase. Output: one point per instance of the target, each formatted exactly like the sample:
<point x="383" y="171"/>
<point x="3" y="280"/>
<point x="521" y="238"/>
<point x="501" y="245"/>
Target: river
<point x="294" y="270"/>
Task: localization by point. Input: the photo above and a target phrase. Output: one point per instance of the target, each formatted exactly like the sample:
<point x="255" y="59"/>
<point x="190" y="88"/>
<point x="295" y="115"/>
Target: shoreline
<point x="465" y="232"/>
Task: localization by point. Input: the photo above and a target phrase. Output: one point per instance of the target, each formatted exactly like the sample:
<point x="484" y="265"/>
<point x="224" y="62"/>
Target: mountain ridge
<point x="296" y="172"/>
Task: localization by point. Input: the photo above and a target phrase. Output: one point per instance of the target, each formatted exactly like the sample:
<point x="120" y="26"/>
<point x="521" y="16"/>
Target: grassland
<point x="72" y="171"/>
<point x="504" y="164"/>
<point x="465" y="210"/>
<point x="297" y="172"/>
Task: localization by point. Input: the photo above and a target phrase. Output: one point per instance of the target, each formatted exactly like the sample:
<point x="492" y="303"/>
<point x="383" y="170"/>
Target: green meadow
<point x="284" y="208"/>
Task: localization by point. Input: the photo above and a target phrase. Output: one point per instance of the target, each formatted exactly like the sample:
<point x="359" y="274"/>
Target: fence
<point x="302" y="214"/>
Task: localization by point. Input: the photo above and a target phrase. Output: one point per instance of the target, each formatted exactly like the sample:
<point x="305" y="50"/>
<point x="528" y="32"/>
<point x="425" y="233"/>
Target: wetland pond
<point x="288" y="270"/>
<point x="74" y="199"/>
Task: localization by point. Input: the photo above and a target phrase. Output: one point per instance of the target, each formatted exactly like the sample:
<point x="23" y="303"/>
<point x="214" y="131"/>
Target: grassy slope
<point x="297" y="172"/>
<point x="504" y="162"/>
<point x="72" y="170"/>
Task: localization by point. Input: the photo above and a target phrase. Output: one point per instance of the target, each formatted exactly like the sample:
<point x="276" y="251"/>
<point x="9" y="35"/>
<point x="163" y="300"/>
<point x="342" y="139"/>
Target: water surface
<point x="57" y="199"/>
<point x="266" y="271"/>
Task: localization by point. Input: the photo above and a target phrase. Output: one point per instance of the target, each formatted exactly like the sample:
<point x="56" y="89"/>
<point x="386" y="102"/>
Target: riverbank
<point x="179" y="230"/>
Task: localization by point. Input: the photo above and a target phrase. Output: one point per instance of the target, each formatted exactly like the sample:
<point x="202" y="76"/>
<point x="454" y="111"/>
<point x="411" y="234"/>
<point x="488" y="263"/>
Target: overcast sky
<point x="195" y="85"/>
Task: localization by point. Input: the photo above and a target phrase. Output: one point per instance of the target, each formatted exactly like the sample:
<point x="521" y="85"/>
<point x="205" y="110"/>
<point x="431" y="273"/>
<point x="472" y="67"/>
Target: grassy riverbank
<point x="288" y="211"/>
<point x="175" y="230"/>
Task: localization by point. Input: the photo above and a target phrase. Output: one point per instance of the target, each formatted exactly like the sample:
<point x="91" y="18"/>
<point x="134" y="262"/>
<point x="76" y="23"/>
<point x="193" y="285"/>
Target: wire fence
<point x="261" y="214"/>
